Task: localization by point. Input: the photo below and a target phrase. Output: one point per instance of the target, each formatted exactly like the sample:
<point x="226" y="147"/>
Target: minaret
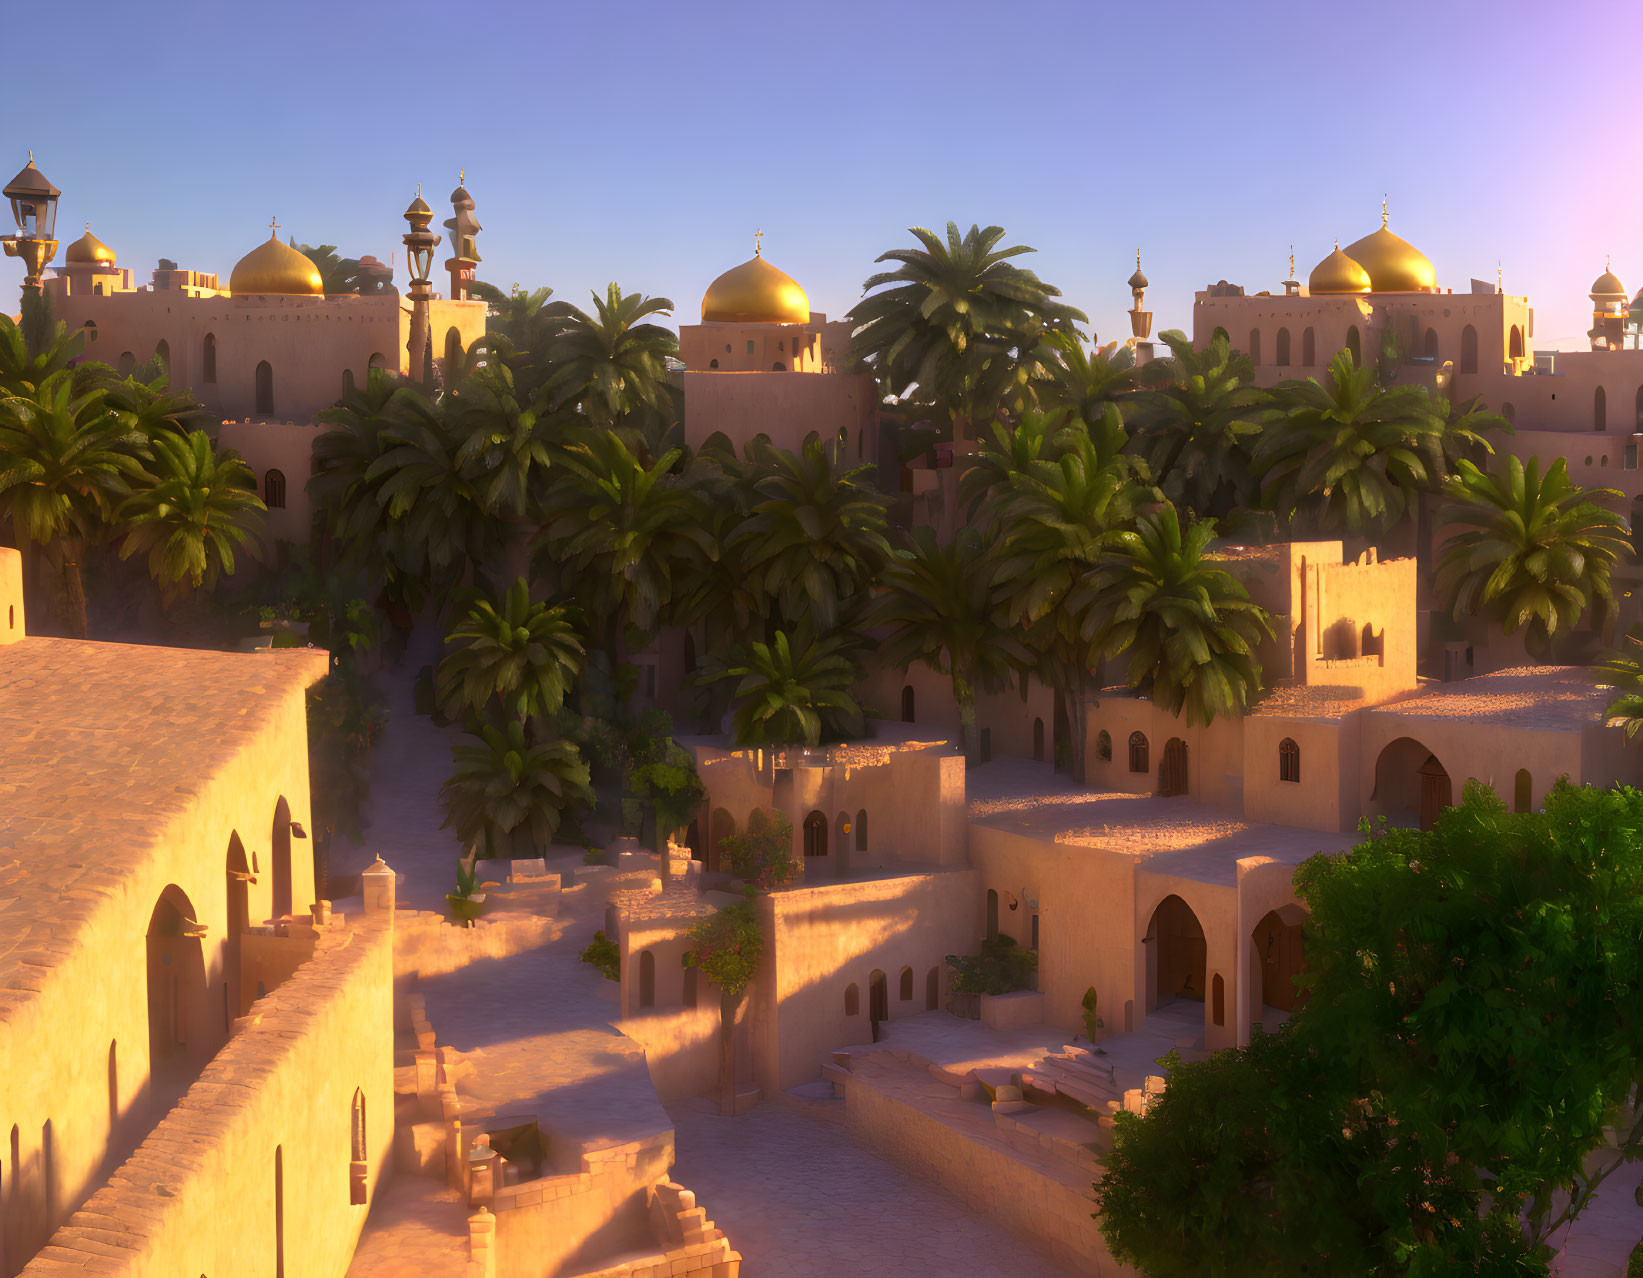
<point x="1140" y="320"/>
<point x="420" y="243"/>
<point x="464" y="226"/>
<point x="1292" y="286"/>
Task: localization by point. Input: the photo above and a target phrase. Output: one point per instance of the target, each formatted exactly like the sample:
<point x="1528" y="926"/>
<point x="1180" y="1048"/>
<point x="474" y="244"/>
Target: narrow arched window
<point x="1309" y="348"/>
<point x="1103" y="744"/>
<point x="1218" y="1000"/>
<point x="1430" y="347"/>
<point x="273" y="490"/>
<point x="1220" y="334"/>
<point x="265" y="389"/>
<point x="359" y="1160"/>
<point x="208" y="359"/>
<point x="1354" y="343"/>
<point x="1138" y="752"/>
<point x="906" y="990"/>
<point x="1523" y="791"/>
<point x="1514" y="347"/>
<point x="1600" y="410"/>
<point x="1468" y="349"/>
<point x="852" y="1001"/>
<point x="1254" y="346"/>
<point x="1289" y="760"/>
<point x="1282" y="358"/>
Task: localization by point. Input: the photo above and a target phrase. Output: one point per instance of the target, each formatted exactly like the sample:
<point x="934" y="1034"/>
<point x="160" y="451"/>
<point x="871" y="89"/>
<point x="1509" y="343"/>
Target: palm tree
<point x="813" y="540"/>
<point x="1531" y="552"/>
<point x="1082" y="383"/>
<point x="612" y="363"/>
<point x="66" y="461"/>
<point x="954" y="320"/>
<point x="618" y="534"/>
<point x="1189" y="627"/>
<point x="1623" y="671"/>
<point x="506" y="439"/>
<point x="793" y="691"/>
<point x="517" y="652"/>
<point x="191" y="510"/>
<point x="1348" y="454"/>
<point x="518" y="316"/>
<point x="504" y="786"/>
<point x="942" y="607"/>
<point x="1009" y="449"/>
<point x="1054" y="520"/>
<point x="1196" y="425"/>
<point x="152" y="407"/>
<point x="22" y="370"/>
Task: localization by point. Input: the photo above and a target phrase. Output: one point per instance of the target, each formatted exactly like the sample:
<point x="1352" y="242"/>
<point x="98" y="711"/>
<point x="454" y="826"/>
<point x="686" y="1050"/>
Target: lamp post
<point x="34" y="208"/>
<point x="419" y="260"/>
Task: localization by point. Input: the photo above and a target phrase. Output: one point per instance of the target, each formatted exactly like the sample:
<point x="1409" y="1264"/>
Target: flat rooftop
<point x="1549" y="698"/>
<point x="1169" y="836"/>
<point x="101" y="745"/>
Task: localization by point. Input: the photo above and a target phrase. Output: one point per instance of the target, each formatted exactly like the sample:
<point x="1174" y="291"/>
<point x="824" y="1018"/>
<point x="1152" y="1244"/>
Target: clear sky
<point x="644" y="141"/>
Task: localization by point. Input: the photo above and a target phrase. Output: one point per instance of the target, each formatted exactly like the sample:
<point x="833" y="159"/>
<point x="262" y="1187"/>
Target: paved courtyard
<point x="799" y="1198"/>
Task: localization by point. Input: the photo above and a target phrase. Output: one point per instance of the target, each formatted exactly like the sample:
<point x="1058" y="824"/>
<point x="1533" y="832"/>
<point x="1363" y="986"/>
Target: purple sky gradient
<point x="645" y="141"/>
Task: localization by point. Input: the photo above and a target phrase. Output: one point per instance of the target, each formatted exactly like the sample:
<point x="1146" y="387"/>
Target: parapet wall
<point x="251" y="1172"/>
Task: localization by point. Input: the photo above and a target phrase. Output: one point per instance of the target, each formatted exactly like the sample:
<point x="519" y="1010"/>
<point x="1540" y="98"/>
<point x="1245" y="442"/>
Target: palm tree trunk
<point x="75" y="590"/>
<point x="964" y="694"/>
<point x="1077" y="719"/>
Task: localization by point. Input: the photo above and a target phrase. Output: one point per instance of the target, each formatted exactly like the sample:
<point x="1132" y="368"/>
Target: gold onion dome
<point x="755" y="293"/>
<point x="1338" y="273"/>
<point x="275" y="267"/>
<point x="1394" y="265"/>
<point x="88" y="248"/>
<point x="1608" y="285"/>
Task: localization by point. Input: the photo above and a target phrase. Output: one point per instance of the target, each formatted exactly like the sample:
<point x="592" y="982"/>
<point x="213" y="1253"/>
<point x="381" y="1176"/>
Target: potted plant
<point x="467" y="901"/>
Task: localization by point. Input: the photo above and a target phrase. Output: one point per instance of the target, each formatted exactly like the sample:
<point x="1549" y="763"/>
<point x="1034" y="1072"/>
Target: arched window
<point x="1523" y="791"/>
<point x="281" y="839"/>
<point x="90" y="328"/>
<point x="128" y="361"/>
<point x="907" y="703"/>
<point x="1468" y="349"/>
<point x="359" y="1160"/>
<point x="1103" y="745"/>
<point x="1220" y="334"/>
<point x="852" y="1000"/>
<point x="815" y="835"/>
<point x="454" y="358"/>
<point x="906" y="990"/>
<point x="1508" y="411"/>
<point x="1309" y="348"/>
<point x="1354" y="344"/>
<point x="1282" y="359"/>
<point x="376" y="361"/>
<point x="1600" y="410"/>
<point x="1138" y="752"/>
<point x="1289" y="760"/>
<point x="1218" y="1000"/>
<point x="162" y="352"/>
<point x="208" y="359"/>
<point x="1254" y="346"/>
<point x="273" y="490"/>
<point x="1514" y="347"/>
<point x="647" y="979"/>
<point x="713" y="363"/>
<point x="778" y="367"/>
<point x="1429" y="347"/>
<point x="861" y="830"/>
<point x="265" y="389"/>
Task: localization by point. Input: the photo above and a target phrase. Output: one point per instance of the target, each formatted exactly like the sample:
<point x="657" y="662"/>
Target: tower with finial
<point x="1609" y="309"/>
<point x="1292" y="286"/>
<point x="1140" y="320"/>
<point x="464" y="227"/>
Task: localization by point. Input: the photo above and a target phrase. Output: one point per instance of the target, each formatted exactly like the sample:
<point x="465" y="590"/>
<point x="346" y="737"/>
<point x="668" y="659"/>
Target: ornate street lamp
<point x="419" y="260"/>
<point x="34" y="208"/>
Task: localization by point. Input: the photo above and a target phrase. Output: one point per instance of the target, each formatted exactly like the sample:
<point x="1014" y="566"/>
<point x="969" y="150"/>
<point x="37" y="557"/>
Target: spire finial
<point x="1337" y="244"/>
<point x="31" y="156"/>
<point x="1383" y="211"/>
<point x="274" y="227"/>
<point x="1498" y="287"/>
<point x="88" y="228"/>
<point x="1291" y="261"/>
<point x="462" y="177"/>
<point x="419" y="190"/>
<point x="1138" y="259"/>
<point x="758" y="235"/>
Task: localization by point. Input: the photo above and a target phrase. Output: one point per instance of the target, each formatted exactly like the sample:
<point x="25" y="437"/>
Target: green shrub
<point x="595" y="856"/>
<point x="763" y="852"/>
<point x="1002" y="967"/>
<point x="603" y="953"/>
<point x="1634" y="1266"/>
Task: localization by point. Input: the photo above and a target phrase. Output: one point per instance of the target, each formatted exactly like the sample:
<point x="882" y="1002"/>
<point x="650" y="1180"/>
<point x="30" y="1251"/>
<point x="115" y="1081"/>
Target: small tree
<point x="726" y="948"/>
<point x="763" y="852"/>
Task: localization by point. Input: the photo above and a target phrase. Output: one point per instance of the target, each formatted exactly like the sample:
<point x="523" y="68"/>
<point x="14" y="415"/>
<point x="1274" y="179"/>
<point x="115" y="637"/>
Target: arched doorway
<point x="1411" y="785"/>
<point x="1523" y="791"/>
<point x="907" y="703"/>
<point x="878" y="1002"/>
<point x="208" y="359"/>
<point x="1038" y="740"/>
<point x="281" y="841"/>
<point x="265" y="389"/>
<point x="815" y="835"/>
<point x="239" y="919"/>
<point x="1176" y="954"/>
<point x="1468" y="349"/>
<point x="176" y="994"/>
<point x="1277" y="956"/>
<point x="1172" y="768"/>
<point x="1514" y="343"/>
<point x="693" y="839"/>
<point x="721" y="825"/>
<point x="904" y="989"/>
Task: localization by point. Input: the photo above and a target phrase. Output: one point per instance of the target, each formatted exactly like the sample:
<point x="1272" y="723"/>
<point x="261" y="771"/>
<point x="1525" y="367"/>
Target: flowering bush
<point x="726" y="947"/>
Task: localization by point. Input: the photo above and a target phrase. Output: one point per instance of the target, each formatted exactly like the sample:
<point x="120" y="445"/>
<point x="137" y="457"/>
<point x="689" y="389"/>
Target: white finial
<point x="1383" y="212"/>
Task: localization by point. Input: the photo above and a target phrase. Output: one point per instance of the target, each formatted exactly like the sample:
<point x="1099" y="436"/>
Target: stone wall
<point x="251" y="1172"/>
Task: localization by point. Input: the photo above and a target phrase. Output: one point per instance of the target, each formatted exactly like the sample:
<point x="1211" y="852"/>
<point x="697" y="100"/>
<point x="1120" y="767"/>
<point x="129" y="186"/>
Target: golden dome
<point x="88" y="248"/>
<point x="1394" y="265"/>
<point x="755" y="293"/>
<point x="275" y="267"/>
<point x="1338" y="273"/>
<point x="1605" y="285"/>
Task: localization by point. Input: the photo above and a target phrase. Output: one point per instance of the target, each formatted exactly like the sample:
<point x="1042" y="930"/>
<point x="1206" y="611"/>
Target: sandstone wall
<point x="250" y="1173"/>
